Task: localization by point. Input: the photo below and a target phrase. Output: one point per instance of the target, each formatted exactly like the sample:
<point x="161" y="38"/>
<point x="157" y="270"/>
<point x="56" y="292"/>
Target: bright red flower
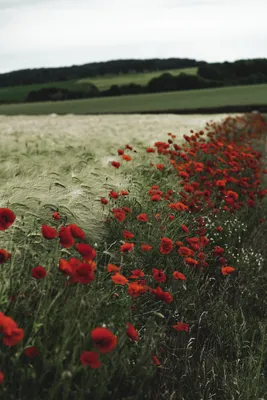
<point x="136" y="274"/>
<point x="84" y="273"/>
<point x="227" y="270"/>
<point x="126" y="247"/>
<point x="4" y="256"/>
<point x="158" y="275"/>
<point x="12" y="334"/>
<point x="48" y="232"/>
<point x="39" y="272"/>
<point x="185" y="229"/>
<point x="218" y="251"/>
<point x="142" y="217"/>
<point x="155" y="197"/>
<point x="119" y="214"/>
<point x="132" y="332"/>
<point x="56" y="216"/>
<point x="7" y="217"/>
<point x="146" y="247"/>
<point x="135" y="290"/>
<point x="77" y="232"/>
<point x="120" y="152"/>
<point x="219" y="229"/>
<point x="178" y="206"/>
<point x="179" y="275"/>
<point x="90" y="358"/>
<point x="86" y="251"/>
<point x="104" y="340"/>
<point x="113" y="268"/>
<point x="124" y="193"/>
<point x="150" y="150"/>
<point x="191" y="261"/>
<point x="160" y="167"/>
<point x="119" y="279"/>
<point x="156" y="361"/>
<point x="2" y="377"/>
<point x="126" y="209"/>
<point x="114" y="195"/>
<point x="181" y="326"/>
<point x="31" y="352"/>
<point x="65" y="267"/>
<point x="161" y="295"/>
<point x="65" y="237"/>
<point x="104" y="201"/>
<point x="166" y="246"/>
<point x="128" y="235"/>
<point x="126" y="157"/>
<point x="171" y="217"/>
<point x="115" y="164"/>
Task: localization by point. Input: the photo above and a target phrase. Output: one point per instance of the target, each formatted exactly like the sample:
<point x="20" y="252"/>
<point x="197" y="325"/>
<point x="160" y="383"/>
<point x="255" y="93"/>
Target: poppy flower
<point x="113" y="268"/>
<point x="128" y="235"/>
<point x="219" y="229"/>
<point x="119" y="279"/>
<point x="179" y="276"/>
<point x="65" y="237"/>
<point x="90" y="358"/>
<point x="150" y="150"/>
<point x="191" y="261"/>
<point x="119" y="214"/>
<point x="124" y="193"/>
<point x="4" y="256"/>
<point x="158" y="275"/>
<point x="86" y="251"/>
<point x="65" y="267"/>
<point x="146" y="247"/>
<point x="39" y="272"/>
<point x="132" y="332"/>
<point x="185" y="228"/>
<point x="181" y="326"/>
<point x="160" y="167"/>
<point x="166" y="246"/>
<point x="12" y="334"/>
<point x="129" y="147"/>
<point x="127" y="247"/>
<point x="126" y="209"/>
<point x="31" y="352"/>
<point x="161" y="295"/>
<point x="114" y="195"/>
<point x="136" y="274"/>
<point x="218" y="251"/>
<point x="135" y="290"/>
<point x="2" y="377"/>
<point x="185" y="251"/>
<point x="104" y="340"/>
<point x="142" y="217"/>
<point x="155" y="197"/>
<point x="7" y="217"/>
<point x="56" y="216"/>
<point x="171" y="217"/>
<point x="104" y="201"/>
<point x="115" y="164"/>
<point x="120" y="152"/>
<point x="48" y="232"/>
<point x="77" y="232"/>
<point x="156" y="361"/>
<point x="84" y="273"/>
<point x="126" y="157"/>
<point x="178" y="206"/>
<point x="227" y="270"/>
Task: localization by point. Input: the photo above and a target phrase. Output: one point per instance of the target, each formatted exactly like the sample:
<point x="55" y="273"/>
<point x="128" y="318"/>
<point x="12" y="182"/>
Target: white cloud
<point x="55" y="32"/>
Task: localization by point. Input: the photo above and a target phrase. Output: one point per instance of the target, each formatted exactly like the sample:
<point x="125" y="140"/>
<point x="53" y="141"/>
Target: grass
<point x="221" y="350"/>
<point x="17" y="94"/>
<point x="238" y="95"/>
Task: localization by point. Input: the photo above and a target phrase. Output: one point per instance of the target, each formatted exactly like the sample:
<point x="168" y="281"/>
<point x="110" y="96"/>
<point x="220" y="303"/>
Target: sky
<point x="51" y="33"/>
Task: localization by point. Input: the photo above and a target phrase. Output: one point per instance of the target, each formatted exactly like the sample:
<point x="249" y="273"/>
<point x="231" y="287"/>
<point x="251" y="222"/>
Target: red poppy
<point x="65" y="237"/>
<point x="115" y="164"/>
<point x="142" y="217"/>
<point x="77" y="232"/>
<point x="126" y="157"/>
<point x="84" y="273"/>
<point x="179" y="275"/>
<point x="178" y="206"/>
<point x="4" y="256"/>
<point x="181" y="326"/>
<point x="2" y="377"/>
<point x="119" y="214"/>
<point x="155" y="197"/>
<point x="166" y="246"/>
<point x="86" y="251"/>
<point x="227" y="270"/>
<point x="114" y="195"/>
<point x="146" y="247"/>
<point x="156" y="361"/>
<point x="65" y="267"/>
<point x="104" y="201"/>
<point x="136" y="274"/>
<point x="90" y="358"/>
<point x="127" y="247"/>
<point x="39" y="272"/>
<point x="135" y="290"/>
<point x="160" y="167"/>
<point x="218" y="251"/>
<point x="185" y="229"/>
<point x="124" y="193"/>
<point x="171" y="217"/>
<point x="185" y="251"/>
<point x="104" y="340"/>
<point x="126" y="209"/>
<point x="56" y="216"/>
<point x="191" y="261"/>
<point x="219" y="229"/>
<point x="158" y="275"/>
<point x="132" y="332"/>
<point x="161" y="295"/>
<point x="113" y="268"/>
<point x="48" y="232"/>
<point x="150" y="150"/>
<point x="7" y="217"/>
<point x="31" y="352"/>
<point x="119" y="279"/>
<point x="12" y="334"/>
<point x="127" y="234"/>
<point x="120" y="152"/>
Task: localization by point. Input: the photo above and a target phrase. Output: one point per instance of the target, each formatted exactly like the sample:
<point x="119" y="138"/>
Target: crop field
<point x="192" y="99"/>
<point x="133" y="259"/>
<point x="17" y="94"/>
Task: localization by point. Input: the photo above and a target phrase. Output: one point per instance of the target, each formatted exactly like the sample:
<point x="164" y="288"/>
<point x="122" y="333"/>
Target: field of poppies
<point x="169" y="303"/>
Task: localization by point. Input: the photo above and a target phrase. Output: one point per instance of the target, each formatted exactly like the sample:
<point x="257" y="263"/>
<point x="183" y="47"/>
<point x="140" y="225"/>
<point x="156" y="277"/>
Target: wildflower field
<point x="153" y="288"/>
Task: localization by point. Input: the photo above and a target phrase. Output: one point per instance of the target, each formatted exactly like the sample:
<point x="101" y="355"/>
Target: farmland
<point x="193" y="99"/>
<point x="17" y="94"/>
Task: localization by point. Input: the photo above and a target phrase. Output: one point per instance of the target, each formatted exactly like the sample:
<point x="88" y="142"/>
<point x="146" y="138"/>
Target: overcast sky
<point x="42" y="33"/>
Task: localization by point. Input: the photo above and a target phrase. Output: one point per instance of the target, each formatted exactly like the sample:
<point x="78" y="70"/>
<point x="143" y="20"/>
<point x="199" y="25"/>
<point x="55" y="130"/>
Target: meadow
<point x="191" y="99"/>
<point x="133" y="258"/>
<point x="17" y="94"/>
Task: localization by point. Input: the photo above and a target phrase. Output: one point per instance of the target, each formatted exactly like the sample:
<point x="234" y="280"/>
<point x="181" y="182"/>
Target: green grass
<point x="238" y="95"/>
<point x="17" y="94"/>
